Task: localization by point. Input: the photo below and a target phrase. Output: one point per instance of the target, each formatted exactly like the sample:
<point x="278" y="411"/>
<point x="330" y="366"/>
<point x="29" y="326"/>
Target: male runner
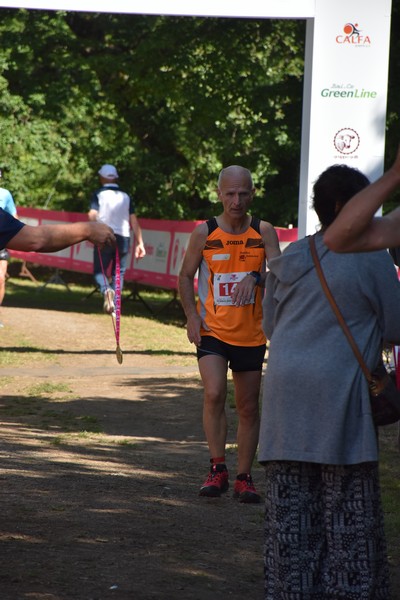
<point x="226" y="324"/>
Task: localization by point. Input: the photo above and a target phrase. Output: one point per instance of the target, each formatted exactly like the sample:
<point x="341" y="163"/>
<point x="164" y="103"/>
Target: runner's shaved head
<point x="235" y="171"/>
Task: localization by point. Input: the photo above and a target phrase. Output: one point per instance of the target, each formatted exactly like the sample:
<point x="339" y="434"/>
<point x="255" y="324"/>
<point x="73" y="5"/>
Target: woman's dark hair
<point x="333" y="188"/>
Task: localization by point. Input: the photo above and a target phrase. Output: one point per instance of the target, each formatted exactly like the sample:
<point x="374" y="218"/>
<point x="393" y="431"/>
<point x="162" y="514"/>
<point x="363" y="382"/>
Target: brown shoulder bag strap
<point x="336" y="309"/>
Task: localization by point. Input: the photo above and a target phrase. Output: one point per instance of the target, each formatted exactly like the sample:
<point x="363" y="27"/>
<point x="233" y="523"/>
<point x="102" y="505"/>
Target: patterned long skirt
<point x="324" y="536"/>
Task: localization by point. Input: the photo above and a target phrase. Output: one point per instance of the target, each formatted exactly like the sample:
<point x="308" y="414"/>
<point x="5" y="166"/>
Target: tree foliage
<point x="169" y="100"/>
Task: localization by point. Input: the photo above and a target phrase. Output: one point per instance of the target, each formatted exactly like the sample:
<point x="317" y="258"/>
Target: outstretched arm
<point x="355" y="229"/>
<point x="50" y="238"/>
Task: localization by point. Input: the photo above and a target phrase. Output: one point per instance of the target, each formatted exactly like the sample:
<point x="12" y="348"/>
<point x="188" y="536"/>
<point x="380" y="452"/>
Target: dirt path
<point x="115" y="513"/>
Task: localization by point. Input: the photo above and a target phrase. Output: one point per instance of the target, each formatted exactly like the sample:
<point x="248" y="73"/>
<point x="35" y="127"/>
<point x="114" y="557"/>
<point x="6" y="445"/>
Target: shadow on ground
<point x="116" y="514"/>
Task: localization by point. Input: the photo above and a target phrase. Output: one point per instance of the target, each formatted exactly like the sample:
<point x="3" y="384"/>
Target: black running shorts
<point x="239" y="358"/>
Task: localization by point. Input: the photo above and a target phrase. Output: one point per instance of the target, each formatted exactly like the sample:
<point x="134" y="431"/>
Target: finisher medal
<point x="119" y="355"/>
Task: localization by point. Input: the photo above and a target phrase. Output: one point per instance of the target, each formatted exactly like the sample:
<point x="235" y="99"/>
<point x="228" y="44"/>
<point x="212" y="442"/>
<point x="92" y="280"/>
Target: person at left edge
<point x="230" y="252"/>
<point x="50" y="238"/>
<point x="6" y="203"/>
<point x="111" y="205"/>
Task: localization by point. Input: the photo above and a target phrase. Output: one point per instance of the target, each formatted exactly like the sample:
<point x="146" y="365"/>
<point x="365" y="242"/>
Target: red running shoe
<point x="245" y="491"/>
<point x="216" y="482"/>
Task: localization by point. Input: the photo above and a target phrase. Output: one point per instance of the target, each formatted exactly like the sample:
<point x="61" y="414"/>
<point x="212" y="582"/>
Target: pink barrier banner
<point x="165" y="242"/>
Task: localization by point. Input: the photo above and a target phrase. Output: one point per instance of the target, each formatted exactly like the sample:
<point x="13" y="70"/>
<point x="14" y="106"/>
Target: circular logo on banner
<point x="351" y="29"/>
<point x="346" y="141"/>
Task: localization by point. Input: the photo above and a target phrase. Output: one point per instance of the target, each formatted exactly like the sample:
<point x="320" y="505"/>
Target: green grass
<point x="141" y="301"/>
<point x="152" y="321"/>
<point x="35" y="411"/>
<point x="23" y="353"/>
<point x="41" y="406"/>
<point x="48" y="388"/>
<point x="157" y="338"/>
<point x="127" y="443"/>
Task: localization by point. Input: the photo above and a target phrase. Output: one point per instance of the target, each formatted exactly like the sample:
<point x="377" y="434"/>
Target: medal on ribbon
<point x="116" y="315"/>
<point x="117" y="322"/>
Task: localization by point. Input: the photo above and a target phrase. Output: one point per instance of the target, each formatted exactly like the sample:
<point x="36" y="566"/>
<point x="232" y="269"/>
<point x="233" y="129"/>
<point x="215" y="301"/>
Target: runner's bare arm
<point x="355" y="229"/>
<point x="140" y="250"/>
<point x="50" y="238"/>
<point x="271" y="241"/>
<point x="190" y="264"/>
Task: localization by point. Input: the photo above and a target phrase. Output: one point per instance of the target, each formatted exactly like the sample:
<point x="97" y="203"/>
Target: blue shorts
<point x="239" y="358"/>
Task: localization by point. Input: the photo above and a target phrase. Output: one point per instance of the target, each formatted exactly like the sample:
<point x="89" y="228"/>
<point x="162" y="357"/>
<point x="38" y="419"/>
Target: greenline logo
<point x="348" y="91"/>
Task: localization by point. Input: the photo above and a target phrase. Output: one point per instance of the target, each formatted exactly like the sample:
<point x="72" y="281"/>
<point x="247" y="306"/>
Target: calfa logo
<point x="346" y="141"/>
<point x="353" y="35"/>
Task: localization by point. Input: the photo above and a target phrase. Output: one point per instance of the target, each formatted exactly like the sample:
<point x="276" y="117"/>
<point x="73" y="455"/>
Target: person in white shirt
<point x="111" y="205"/>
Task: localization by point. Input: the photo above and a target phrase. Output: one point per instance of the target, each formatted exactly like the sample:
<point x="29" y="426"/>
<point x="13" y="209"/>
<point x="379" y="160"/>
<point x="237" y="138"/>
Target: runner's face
<point x="236" y="194"/>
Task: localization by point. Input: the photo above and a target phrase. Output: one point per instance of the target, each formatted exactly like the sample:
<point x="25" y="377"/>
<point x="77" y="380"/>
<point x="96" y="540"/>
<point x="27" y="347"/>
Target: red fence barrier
<point x="165" y="242"/>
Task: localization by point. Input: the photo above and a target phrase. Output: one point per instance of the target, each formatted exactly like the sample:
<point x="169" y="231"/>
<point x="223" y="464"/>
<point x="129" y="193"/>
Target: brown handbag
<point x="383" y="392"/>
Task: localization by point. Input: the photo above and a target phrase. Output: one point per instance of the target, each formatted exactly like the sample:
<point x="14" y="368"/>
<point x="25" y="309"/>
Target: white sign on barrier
<point x="157" y="244"/>
<point x="179" y="246"/>
<point x="83" y="252"/>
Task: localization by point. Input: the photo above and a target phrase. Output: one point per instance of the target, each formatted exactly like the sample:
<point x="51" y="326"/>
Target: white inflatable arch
<point x="345" y="79"/>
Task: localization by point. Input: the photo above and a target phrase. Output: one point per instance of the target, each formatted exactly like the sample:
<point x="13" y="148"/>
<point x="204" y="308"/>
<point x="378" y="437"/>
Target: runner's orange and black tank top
<point x="227" y="258"/>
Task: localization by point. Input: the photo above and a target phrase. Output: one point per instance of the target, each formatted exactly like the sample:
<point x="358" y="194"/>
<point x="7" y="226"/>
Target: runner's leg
<point x="213" y="370"/>
<point x="247" y="391"/>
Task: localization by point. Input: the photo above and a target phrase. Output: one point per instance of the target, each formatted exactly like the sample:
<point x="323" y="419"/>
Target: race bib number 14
<point x="224" y="285"/>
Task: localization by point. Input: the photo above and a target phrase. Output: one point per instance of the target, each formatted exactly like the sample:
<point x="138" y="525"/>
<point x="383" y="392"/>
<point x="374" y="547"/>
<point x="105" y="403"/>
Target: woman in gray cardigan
<point x="324" y="533"/>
